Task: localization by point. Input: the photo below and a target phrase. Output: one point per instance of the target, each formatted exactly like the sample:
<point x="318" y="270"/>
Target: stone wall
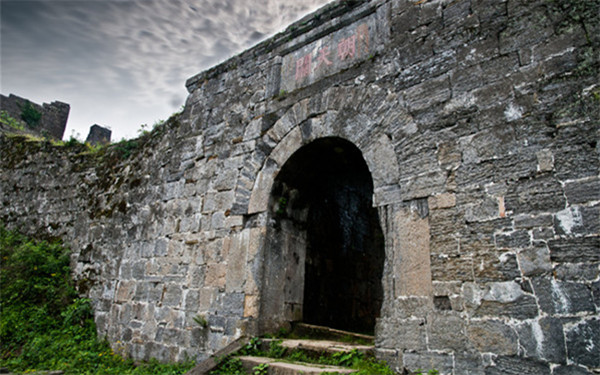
<point x="53" y="119"/>
<point x="98" y="135"/>
<point x="478" y="122"/>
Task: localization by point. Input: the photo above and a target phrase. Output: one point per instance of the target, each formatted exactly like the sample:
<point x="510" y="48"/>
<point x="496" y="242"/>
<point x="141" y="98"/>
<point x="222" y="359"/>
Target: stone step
<point x="204" y="367"/>
<point x="319" y="347"/>
<point x="315" y="331"/>
<point x="277" y="367"/>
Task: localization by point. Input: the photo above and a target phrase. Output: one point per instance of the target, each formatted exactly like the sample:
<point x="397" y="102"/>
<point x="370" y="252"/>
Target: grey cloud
<point x="131" y="53"/>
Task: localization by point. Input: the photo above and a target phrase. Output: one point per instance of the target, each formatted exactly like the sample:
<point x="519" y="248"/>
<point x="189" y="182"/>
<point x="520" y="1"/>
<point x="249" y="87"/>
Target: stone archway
<point x="324" y="253"/>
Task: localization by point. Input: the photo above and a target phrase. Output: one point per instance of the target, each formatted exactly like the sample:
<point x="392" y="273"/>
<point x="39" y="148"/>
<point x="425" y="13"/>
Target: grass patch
<point x="365" y="365"/>
<point x="44" y="325"/>
<point x="12" y="122"/>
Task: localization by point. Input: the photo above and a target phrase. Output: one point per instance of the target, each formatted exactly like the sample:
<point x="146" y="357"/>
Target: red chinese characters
<point x="323" y="57"/>
<point x="347" y="48"/>
<point x="351" y="47"/>
<point x="303" y="67"/>
<point x="362" y="33"/>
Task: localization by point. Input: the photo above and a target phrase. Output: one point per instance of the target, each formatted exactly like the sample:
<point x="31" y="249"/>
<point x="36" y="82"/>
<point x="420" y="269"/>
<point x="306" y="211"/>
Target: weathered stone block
<point x="513" y="365"/>
<point x="233" y="305"/>
<point x="445" y="226"/>
<point x="447" y="332"/>
<point x="215" y="275"/>
<point x="535" y="196"/>
<point x="251" y="306"/>
<point x="423" y="185"/>
<point x="383" y="163"/>
<point x="495" y="267"/>
<point x="487" y="144"/>
<point x="535" y="260"/>
<point x="543" y="234"/>
<point x="514" y="166"/>
<point x="575" y="250"/>
<point x="160" y="248"/>
<point x="455" y="14"/>
<point x="583" y="341"/>
<point x="387" y="195"/>
<point x="167" y="336"/>
<point x="236" y="265"/>
<point x="490" y="96"/>
<point x="468" y="363"/>
<point x="154" y="291"/>
<point x="500" y="67"/>
<point x="575" y="157"/>
<point x="533" y="22"/>
<point x="414" y="361"/>
<point x="577" y="220"/>
<point x="446" y="288"/>
<point x="262" y="187"/>
<point x="191" y="300"/>
<point x="453" y="267"/>
<point x="428" y="93"/>
<point x="196" y="276"/>
<point x="401" y="334"/>
<point x="545" y="160"/>
<point x="138" y="270"/>
<point x="289" y="144"/>
<point x="532" y="221"/>
<point x="505" y="299"/>
<point x="513" y="240"/>
<point x="582" y="272"/>
<point x="558" y="297"/>
<point x="410" y="307"/>
<point x="448" y="153"/>
<point x="583" y="191"/>
<point x="126" y="291"/>
<point x="218" y="201"/>
<point x="411" y="17"/>
<point x="198" y="338"/>
<point x="570" y="370"/>
<point x="207" y="297"/>
<point x="412" y="263"/>
<point x="543" y="340"/>
<point x="492" y="336"/>
<point x="440" y="201"/>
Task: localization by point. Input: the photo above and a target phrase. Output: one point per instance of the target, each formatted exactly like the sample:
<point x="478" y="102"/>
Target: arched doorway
<point x="325" y="249"/>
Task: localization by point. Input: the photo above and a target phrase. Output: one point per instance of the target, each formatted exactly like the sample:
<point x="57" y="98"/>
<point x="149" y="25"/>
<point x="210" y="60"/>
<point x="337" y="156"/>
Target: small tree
<point x="30" y="115"/>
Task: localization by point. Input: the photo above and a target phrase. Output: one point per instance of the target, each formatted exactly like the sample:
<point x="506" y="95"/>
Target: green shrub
<point x="125" y="148"/>
<point x="43" y="323"/>
<point x="30" y="115"/>
<point x="229" y="366"/>
<point x="10" y="121"/>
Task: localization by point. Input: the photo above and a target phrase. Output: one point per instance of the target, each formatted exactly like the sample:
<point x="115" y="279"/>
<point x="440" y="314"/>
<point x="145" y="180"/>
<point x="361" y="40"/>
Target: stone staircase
<point x="276" y="367"/>
<point x="322" y="342"/>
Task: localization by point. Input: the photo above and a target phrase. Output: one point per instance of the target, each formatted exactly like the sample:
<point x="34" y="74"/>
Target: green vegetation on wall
<point x="10" y="121"/>
<point x="30" y="115"/>
<point x="44" y="325"/>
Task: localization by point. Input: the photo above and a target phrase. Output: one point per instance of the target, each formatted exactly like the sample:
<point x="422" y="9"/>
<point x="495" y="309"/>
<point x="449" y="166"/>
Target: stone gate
<point x="426" y="170"/>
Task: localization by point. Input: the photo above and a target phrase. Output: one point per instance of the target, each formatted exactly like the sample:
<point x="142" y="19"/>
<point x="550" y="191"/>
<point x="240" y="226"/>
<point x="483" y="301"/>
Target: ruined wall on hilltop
<point x="478" y="124"/>
<point x="53" y="116"/>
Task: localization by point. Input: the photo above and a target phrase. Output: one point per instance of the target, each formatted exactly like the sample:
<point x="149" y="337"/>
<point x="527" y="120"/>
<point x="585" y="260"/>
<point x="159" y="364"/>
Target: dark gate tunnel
<point x="325" y="193"/>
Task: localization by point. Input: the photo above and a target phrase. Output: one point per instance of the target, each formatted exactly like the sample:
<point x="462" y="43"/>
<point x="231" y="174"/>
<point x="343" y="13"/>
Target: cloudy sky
<point x="123" y="63"/>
